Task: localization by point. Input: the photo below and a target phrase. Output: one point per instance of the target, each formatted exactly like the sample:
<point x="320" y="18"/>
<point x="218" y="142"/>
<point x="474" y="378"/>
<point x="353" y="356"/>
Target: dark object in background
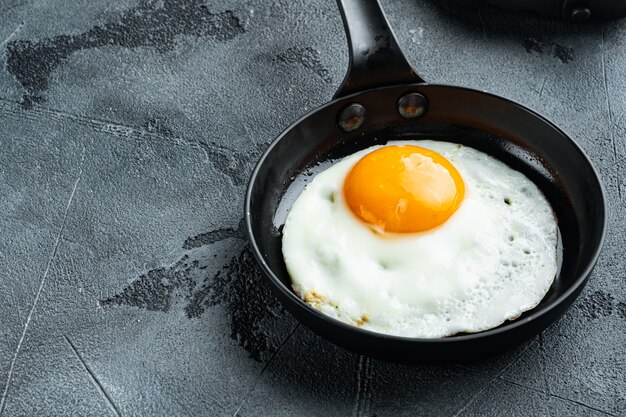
<point x="382" y="98"/>
<point x="572" y="10"/>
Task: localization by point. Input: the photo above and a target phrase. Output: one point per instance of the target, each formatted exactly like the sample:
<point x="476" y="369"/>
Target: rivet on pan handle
<point x="352" y="117"/>
<point x="412" y="105"/>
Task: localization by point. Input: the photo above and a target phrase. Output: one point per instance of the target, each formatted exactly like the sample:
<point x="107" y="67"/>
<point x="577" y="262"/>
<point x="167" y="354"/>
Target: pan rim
<point x="505" y="327"/>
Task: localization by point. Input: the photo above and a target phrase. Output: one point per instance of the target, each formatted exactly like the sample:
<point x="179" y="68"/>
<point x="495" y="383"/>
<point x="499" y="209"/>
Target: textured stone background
<point x="128" y="130"/>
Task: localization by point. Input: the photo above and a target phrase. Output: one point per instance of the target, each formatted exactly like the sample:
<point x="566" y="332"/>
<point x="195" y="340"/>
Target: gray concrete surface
<point x="128" y="130"/>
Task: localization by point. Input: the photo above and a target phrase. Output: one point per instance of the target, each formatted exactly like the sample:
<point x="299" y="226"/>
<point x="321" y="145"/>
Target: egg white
<point x="492" y="260"/>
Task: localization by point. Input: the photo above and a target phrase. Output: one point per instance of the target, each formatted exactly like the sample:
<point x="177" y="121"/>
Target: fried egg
<point x="421" y="239"/>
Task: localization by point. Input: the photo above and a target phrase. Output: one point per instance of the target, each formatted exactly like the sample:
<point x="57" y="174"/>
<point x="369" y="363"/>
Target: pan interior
<point x="315" y="143"/>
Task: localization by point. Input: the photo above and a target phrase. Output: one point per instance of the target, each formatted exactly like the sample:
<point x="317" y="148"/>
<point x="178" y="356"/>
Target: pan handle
<point x="375" y="57"/>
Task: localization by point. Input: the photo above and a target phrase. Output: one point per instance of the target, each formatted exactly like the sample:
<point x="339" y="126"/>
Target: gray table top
<point x="128" y="130"/>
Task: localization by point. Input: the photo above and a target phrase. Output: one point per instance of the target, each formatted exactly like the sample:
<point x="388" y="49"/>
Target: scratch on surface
<point x="488" y="384"/>
<point x="15" y="32"/>
<point x="299" y="19"/>
<point x="543" y="84"/>
<point x="465" y="368"/>
<point x="543" y="359"/>
<point x="93" y="378"/>
<point x="608" y="99"/>
<point x="482" y="23"/>
<point x="258" y="378"/>
<point x="557" y="396"/>
<point x="41" y="284"/>
<point x="231" y="163"/>
<point x="102" y="125"/>
<point x="543" y="363"/>
<point x="364" y="392"/>
<point x="619" y="167"/>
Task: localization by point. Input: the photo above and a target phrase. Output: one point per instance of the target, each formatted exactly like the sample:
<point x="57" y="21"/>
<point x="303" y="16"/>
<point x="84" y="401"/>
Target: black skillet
<point x="382" y="98"/>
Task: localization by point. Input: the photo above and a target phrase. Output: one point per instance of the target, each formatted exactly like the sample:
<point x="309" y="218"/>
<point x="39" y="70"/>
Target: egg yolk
<point x="403" y="189"/>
